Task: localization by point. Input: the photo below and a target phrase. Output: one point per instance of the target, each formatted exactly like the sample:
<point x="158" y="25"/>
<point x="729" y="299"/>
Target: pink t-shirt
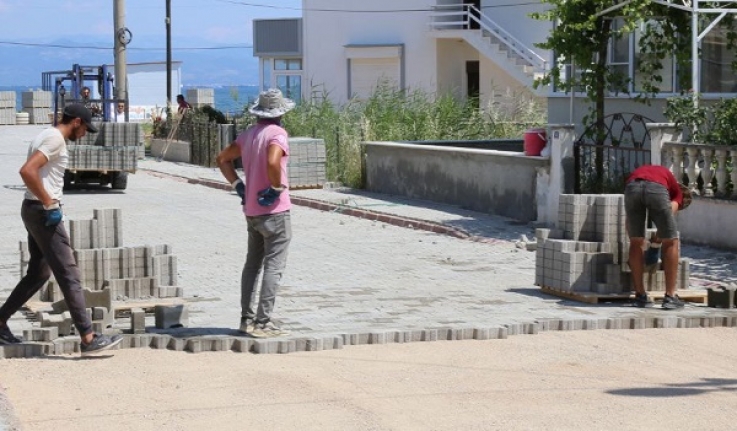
<point x="254" y="144"/>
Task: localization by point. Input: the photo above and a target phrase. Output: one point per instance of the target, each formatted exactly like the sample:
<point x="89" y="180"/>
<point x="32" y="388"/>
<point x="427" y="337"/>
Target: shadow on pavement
<point x="680" y="389"/>
<point x="472" y="222"/>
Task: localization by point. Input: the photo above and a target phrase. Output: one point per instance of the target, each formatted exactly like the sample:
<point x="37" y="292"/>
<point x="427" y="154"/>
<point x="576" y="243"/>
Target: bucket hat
<point x="271" y="104"/>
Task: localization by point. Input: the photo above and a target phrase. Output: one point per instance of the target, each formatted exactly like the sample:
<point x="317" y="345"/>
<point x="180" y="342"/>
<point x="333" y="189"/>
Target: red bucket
<point x="535" y="140"/>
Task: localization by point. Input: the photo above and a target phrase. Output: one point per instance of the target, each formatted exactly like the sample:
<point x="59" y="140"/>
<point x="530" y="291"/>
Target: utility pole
<point x="168" y="58"/>
<point x="122" y="38"/>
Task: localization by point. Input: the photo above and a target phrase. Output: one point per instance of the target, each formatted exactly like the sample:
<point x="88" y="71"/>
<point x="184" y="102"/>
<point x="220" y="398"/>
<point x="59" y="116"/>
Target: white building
<point x="147" y="87"/>
<point x="343" y="49"/>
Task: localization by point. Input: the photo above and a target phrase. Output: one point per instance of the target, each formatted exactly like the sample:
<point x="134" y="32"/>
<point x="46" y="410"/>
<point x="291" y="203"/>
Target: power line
<point x="268" y="6"/>
<point x="105" y="48"/>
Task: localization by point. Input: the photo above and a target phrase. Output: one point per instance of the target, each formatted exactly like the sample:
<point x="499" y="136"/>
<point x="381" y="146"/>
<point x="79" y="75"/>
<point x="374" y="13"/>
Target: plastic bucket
<point x="534" y="142"/>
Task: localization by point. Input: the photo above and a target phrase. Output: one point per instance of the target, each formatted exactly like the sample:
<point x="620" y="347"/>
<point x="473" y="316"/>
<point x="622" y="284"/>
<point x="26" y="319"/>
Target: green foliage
<point x="391" y="115"/>
<point x="213" y="115"/>
<point x="582" y="36"/>
<point x="724" y="121"/>
<point x="713" y="124"/>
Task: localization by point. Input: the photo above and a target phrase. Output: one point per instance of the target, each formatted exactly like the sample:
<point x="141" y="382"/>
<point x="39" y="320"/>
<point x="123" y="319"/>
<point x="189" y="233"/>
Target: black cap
<point x="76" y="110"/>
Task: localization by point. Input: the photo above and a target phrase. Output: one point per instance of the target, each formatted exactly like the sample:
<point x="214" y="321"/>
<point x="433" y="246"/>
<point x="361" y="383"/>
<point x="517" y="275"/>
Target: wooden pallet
<point x="698" y="296"/>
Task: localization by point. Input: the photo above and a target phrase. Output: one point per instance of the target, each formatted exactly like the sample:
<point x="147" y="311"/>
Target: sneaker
<point x="247" y="325"/>
<point x="7" y="337"/>
<point x="100" y="343"/>
<point x="672" y="302"/>
<point x="642" y="301"/>
<point x="267" y="330"/>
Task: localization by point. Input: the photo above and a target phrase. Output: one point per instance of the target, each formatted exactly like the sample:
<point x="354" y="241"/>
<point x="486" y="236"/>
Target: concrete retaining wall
<point x="178" y="151"/>
<point x="709" y="222"/>
<point x="488" y="181"/>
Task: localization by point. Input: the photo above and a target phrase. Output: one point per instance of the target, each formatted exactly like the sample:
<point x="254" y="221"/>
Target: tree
<point x="582" y="34"/>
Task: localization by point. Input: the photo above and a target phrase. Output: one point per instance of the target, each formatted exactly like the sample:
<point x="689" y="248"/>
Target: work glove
<point x="269" y="195"/>
<point x="240" y="188"/>
<point x="652" y="254"/>
<point x="52" y="214"/>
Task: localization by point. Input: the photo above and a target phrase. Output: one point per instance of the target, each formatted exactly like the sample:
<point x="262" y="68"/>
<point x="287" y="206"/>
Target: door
<point x="473" y="80"/>
<point x="368" y="73"/>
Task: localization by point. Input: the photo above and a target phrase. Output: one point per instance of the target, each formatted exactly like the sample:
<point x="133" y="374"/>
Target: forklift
<point x="104" y="158"/>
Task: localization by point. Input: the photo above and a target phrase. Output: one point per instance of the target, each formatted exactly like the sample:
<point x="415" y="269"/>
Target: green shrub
<point x="392" y="115"/>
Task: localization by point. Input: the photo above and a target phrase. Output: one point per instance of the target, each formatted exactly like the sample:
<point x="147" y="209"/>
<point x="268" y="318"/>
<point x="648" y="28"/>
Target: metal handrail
<point x="469" y="13"/>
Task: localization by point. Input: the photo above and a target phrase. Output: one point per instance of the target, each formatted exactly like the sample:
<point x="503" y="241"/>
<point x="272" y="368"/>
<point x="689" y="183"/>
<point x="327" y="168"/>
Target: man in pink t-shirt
<point x="264" y="151"/>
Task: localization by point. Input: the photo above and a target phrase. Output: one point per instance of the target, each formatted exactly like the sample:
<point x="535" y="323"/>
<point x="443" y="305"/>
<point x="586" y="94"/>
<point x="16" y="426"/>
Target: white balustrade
<point x="710" y="162"/>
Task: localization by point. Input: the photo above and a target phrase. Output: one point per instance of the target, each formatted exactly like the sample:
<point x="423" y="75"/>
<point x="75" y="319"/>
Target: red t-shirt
<point x="660" y="175"/>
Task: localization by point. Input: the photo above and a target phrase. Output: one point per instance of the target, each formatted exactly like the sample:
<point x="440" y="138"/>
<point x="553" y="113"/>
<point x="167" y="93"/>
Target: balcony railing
<point x="466" y="17"/>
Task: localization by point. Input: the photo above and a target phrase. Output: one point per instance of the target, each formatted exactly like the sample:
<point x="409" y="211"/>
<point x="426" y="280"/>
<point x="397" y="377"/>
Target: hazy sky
<point x="43" y="35"/>
<point x="210" y="22"/>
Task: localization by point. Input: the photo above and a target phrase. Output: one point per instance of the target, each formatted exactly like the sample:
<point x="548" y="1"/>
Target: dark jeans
<point x="268" y="241"/>
<point x="50" y="252"/>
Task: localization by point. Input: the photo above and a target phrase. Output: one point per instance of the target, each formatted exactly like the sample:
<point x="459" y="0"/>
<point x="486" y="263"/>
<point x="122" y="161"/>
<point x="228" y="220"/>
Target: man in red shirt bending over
<point x="655" y="191"/>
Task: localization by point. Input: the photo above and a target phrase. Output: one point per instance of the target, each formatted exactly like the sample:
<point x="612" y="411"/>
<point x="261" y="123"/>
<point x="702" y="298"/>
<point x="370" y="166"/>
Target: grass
<point x="391" y="115"/>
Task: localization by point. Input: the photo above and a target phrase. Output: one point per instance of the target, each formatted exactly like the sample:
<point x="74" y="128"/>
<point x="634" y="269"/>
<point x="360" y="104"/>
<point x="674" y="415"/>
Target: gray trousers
<point x="643" y="198"/>
<point x="50" y="252"/>
<point x="268" y="241"/>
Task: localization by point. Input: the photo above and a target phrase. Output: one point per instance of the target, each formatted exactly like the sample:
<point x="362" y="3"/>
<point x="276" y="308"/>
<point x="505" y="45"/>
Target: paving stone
<point x="171" y="316"/>
<point x="375" y="300"/>
<point x="160" y="341"/>
<point x="138" y="321"/>
<point x="242" y="345"/>
<point x="41" y="334"/>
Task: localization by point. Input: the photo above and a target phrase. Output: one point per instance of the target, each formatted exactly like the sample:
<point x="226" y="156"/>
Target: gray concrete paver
<point x="344" y="275"/>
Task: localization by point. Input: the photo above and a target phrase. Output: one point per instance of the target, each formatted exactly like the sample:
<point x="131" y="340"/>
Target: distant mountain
<point x="23" y="65"/>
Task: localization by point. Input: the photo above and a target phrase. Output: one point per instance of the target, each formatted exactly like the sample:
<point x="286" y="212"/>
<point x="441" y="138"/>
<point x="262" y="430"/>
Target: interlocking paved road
<point x="344" y="274"/>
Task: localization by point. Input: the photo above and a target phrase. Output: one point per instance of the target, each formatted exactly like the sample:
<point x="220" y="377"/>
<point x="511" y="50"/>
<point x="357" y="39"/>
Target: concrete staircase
<point x="489" y="39"/>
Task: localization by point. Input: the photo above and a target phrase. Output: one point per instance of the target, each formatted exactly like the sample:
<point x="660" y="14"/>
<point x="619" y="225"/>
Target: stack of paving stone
<point x="589" y="249"/>
<point x="116" y="146"/>
<point x="7" y="107"/>
<point x="104" y="263"/>
<point x="306" y="166"/>
<point x="38" y="105"/>
<point x="200" y="97"/>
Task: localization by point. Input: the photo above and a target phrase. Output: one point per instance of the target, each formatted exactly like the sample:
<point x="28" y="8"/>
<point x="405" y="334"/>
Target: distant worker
<point x="48" y="242"/>
<point x="85" y="96"/>
<point x="654" y="191"/>
<point x="264" y="150"/>
<point x="120" y="113"/>
<point x="183" y="104"/>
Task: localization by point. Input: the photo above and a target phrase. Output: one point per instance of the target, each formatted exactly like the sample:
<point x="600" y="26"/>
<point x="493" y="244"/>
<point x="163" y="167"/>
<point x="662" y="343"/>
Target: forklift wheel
<point x="119" y="181"/>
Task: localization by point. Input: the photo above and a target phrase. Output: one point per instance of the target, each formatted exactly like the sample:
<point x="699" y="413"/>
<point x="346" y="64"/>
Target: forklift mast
<point x="67" y="85"/>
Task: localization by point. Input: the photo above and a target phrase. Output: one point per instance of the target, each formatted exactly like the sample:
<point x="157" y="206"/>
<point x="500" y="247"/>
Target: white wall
<point x="495" y="81"/>
<point x="451" y="63"/>
<point x="327" y="33"/>
<point x="516" y="20"/>
<point x="147" y="83"/>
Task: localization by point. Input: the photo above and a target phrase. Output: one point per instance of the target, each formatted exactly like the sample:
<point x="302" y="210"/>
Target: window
<point x="373" y="66"/>
<point x="624" y="57"/>
<point x="290" y="85"/>
<point x="266" y="74"/>
<point x="619" y="57"/>
<point x="667" y="73"/>
<point x="291" y="64"/>
<point x="285" y="74"/>
<point x="717" y="75"/>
